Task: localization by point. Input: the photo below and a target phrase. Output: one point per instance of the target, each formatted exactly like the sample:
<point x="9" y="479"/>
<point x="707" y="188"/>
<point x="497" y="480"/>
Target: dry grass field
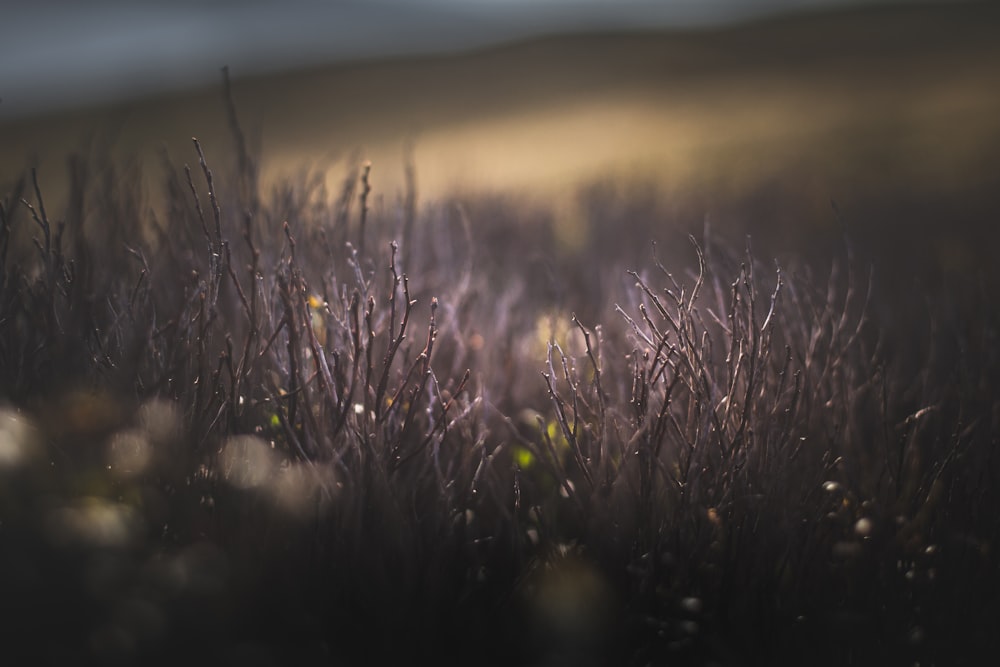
<point x="660" y="348"/>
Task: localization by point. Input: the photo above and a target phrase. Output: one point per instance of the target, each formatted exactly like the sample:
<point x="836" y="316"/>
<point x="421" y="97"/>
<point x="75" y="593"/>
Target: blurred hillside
<point x="892" y="113"/>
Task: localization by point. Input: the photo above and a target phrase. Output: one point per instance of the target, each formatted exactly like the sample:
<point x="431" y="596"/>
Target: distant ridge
<point x="761" y="39"/>
<point x="822" y="95"/>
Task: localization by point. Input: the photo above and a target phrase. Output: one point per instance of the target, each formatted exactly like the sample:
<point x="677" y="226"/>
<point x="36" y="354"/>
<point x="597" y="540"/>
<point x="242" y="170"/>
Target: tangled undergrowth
<point x="291" y="427"/>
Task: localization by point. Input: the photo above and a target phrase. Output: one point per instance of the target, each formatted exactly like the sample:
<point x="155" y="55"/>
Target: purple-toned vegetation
<point x="268" y="424"/>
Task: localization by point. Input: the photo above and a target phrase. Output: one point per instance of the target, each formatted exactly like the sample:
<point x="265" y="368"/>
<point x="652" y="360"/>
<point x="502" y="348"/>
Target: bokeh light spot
<point x="92" y="522"/>
<point x="247" y="461"/>
<point x="18" y="439"/>
<point x="129" y="453"/>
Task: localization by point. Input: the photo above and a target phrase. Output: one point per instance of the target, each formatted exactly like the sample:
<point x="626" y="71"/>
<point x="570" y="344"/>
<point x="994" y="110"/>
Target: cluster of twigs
<point x="747" y="440"/>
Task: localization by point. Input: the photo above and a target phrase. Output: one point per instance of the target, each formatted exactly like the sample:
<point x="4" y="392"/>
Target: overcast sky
<point x="55" y="54"/>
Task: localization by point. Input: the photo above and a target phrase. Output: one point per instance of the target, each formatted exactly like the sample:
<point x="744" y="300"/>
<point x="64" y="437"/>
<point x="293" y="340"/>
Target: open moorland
<point x="599" y="350"/>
